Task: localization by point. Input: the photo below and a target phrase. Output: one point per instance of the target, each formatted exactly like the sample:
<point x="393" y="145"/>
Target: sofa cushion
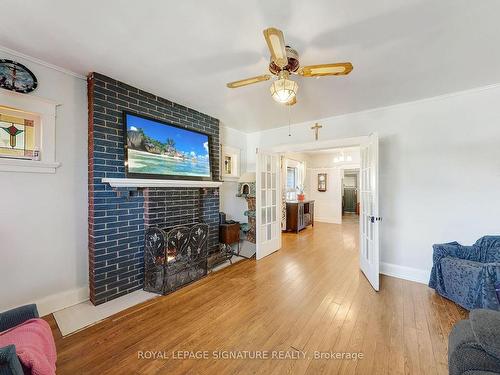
<point x="34" y="344"/>
<point x="466" y="355"/>
<point x="485" y="325"/>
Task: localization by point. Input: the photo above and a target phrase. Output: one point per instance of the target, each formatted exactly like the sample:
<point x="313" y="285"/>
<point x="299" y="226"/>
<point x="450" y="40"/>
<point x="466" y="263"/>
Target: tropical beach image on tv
<point x="161" y="150"/>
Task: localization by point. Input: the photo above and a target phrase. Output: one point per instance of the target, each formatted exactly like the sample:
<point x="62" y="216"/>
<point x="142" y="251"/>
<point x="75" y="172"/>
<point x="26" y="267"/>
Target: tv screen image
<point x="157" y="149"/>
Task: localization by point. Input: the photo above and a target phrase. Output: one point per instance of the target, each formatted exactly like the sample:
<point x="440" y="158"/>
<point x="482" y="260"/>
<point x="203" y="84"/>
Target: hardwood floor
<point x="309" y="296"/>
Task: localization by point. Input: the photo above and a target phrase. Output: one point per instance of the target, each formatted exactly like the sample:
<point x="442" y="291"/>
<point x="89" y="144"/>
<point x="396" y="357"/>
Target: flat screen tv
<point x="157" y="149"/>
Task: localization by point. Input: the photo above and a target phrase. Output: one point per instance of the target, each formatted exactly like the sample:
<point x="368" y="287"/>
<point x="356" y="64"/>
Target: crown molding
<point x="41" y="62"/>
<point x="445" y="96"/>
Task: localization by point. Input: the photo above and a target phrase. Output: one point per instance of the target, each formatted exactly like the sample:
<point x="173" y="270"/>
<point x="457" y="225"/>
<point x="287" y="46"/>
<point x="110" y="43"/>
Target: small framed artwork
<point x="228" y="165"/>
<point x="322" y="181"/>
<point x="230" y="159"/>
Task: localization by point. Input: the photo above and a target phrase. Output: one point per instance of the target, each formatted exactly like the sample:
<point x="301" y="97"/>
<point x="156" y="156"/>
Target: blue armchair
<point x="9" y="363"/>
<point x="467" y="274"/>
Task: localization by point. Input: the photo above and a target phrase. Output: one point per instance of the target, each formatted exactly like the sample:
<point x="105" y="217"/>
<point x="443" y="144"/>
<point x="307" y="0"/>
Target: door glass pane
<point x="263" y="180"/>
<point x="269" y="232"/>
<point x="367" y="249"/>
<point x="273" y="182"/>
<point x="263" y="233"/>
<point x="263" y="216"/>
<point x="274" y="214"/>
<point x="269" y="214"/>
<point x="263" y="197"/>
<point x="274" y="194"/>
<point x="263" y="163"/>
<point x="268" y="181"/>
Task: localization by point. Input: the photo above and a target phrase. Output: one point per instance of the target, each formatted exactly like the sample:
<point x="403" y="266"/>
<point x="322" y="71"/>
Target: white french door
<point x="268" y="204"/>
<point x="369" y="256"/>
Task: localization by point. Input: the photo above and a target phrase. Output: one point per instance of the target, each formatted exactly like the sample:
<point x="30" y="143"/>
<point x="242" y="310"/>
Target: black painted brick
<point x="117" y="218"/>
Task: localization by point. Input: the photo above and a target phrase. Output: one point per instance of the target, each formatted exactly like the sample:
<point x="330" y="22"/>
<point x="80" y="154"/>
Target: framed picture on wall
<point x="322" y="181"/>
<point x="230" y="161"/>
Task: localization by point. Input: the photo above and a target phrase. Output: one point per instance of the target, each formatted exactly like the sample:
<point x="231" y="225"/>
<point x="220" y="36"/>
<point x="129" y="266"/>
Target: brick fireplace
<point x="118" y="217"/>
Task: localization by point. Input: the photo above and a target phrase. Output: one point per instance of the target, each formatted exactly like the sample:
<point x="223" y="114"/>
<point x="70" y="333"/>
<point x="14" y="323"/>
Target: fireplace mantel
<point x="147" y="182"/>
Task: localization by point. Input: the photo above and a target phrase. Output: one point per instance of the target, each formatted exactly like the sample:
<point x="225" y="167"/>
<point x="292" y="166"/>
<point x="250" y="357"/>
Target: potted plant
<point x="300" y="193"/>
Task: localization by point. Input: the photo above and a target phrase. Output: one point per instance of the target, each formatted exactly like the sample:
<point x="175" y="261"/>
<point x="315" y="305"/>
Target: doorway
<point x="350" y="194"/>
<point x="272" y="194"/>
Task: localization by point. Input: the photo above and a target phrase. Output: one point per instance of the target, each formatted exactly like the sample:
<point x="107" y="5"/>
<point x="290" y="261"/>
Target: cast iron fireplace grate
<point x="174" y="257"/>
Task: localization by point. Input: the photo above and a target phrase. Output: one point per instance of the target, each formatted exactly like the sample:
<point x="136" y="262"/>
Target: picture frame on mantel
<point x="230" y="163"/>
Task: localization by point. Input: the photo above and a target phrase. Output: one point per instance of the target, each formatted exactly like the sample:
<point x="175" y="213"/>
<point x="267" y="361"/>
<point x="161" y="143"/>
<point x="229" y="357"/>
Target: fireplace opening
<point x="175" y="257"/>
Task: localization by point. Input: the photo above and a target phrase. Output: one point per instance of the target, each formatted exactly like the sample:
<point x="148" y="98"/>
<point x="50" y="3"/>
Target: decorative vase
<point x="301" y="197"/>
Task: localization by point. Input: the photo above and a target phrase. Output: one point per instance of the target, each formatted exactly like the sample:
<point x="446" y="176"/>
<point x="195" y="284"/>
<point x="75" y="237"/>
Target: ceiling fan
<point x="285" y="62"/>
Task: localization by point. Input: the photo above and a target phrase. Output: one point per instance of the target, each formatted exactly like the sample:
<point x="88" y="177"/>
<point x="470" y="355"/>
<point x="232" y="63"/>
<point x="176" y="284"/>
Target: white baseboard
<point x="61" y="300"/>
<point x="406" y="273"/>
<point x="326" y="220"/>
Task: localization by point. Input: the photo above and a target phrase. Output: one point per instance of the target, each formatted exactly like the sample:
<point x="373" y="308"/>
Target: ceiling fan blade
<point x="337" y="69"/>
<point x="276" y="43"/>
<point x="248" y="81"/>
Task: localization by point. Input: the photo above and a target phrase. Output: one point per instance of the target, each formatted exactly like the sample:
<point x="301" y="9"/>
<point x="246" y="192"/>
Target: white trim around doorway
<point x="320" y="145"/>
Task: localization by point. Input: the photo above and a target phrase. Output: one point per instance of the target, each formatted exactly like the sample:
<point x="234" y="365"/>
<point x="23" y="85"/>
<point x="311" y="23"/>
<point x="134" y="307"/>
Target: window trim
<point x="46" y="111"/>
<point x="291" y="192"/>
<point x="295" y="172"/>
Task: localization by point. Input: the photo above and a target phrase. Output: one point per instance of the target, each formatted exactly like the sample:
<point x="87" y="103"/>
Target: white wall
<point x="326" y="160"/>
<point x="232" y="205"/>
<point x="439" y="171"/>
<point x="327" y="204"/>
<point x="297" y="156"/>
<point x="43" y="217"/>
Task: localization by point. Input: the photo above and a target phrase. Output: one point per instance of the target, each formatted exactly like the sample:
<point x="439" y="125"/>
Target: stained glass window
<point x="17" y="136"/>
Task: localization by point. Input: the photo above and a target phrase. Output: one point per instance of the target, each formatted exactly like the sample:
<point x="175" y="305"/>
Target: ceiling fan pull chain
<point x="289" y="121"/>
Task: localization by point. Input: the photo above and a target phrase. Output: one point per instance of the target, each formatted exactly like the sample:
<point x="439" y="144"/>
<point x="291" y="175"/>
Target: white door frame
<point x="320" y="145"/>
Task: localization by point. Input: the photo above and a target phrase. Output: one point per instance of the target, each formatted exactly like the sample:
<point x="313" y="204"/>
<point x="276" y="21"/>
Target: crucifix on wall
<point x="316" y="128"/>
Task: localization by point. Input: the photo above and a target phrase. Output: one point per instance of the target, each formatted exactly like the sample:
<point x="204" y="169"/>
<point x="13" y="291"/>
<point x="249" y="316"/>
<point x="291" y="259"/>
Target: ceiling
<point x="187" y="50"/>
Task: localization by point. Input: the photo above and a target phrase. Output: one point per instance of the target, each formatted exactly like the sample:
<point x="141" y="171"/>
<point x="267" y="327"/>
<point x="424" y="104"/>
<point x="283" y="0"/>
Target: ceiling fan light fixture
<point x="284" y="90"/>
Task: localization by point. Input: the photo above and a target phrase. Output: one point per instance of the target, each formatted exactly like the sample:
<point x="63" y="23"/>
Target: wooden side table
<point x="296" y="213"/>
<point x="230" y="234"/>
